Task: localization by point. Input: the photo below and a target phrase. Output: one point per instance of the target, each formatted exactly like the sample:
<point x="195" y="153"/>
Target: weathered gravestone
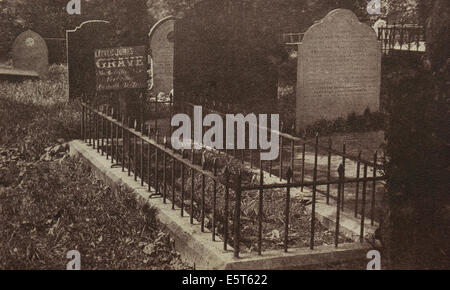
<point x="226" y="53"/>
<point x="81" y="45"/>
<point x="339" y="64"/>
<point x="30" y="53"/>
<point x="161" y="50"/>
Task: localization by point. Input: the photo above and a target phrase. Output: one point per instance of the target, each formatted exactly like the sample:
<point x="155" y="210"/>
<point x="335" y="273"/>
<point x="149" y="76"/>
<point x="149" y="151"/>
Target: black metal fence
<point x="149" y="157"/>
<point x="292" y="154"/>
<point x="291" y="38"/>
<point x="397" y="38"/>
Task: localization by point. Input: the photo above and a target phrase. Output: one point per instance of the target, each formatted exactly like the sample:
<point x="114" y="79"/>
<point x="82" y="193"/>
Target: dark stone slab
<point x="226" y="52"/>
<point x="16" y="75"/>
<point x="81" y="45"/>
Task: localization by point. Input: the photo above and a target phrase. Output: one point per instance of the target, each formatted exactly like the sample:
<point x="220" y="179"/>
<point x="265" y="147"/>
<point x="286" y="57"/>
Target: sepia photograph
<point x="237" y="135"/>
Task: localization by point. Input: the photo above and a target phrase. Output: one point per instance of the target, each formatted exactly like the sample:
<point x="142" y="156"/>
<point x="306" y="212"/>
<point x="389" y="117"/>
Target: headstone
<point x="81" y="45"/>
<point x="339" y="64"/>
<point x="378" y="24"/>
<point x="30" y="53"/>
<point x="161" y="50"/>
<point x="121" y="68"/>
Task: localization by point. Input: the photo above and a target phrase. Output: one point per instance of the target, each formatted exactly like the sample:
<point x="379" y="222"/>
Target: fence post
<point x="292" y="158"/>
<point x="344" y="149"/>
<point x="214" y="201"/>
<point x="358" y="173"/>
<point x="287" y="209"/>
<point x="330" y="147"/>
<point x="165" y="172"/>
<point x="363" y="206"/>
<point x="313" y="212"/>
<point x="192" y="195"/>
<point x="182" y="188"/>
<point x="338" y="206"/>
<point x="227" y="200"/>
<point x="237" y="216"/>
<point x="123" y="144"/>
<point x="260" y="207"/>
<point x="303" y="164"/>
<point x="374" y="189"/>
<point x="83" y="109"/>
<point x="142" y="161"/>
<point x="173" y="183"/>
<point x="203" y="193"/>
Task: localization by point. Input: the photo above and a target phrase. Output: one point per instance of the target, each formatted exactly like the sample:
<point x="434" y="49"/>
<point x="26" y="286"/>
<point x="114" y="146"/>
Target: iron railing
<point x="410" y="38"/>
<point x="151" y="160"/>
<point x="287" y="160"/>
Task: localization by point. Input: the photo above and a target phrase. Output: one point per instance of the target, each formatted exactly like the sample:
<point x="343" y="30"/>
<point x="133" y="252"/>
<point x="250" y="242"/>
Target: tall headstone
<point x="161" y="50"/>
<point x="30" y="53"/>
<point x="339" y="63"/>
<point x="81" y="45"/>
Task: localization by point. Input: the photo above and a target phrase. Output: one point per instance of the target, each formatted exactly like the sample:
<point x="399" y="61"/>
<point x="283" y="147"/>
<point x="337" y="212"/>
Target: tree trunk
<point x="416" y="226"/>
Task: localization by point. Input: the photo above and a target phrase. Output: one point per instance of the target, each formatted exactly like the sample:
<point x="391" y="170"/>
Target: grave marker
<point x="121" y="68"/>
<point x="30" y="53"/>
<point x="81" y="45"/>
<point x="161" y="50"/>
<point x="339" y="64"/>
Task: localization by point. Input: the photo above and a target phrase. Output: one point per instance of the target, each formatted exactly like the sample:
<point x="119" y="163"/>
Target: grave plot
<point x="240" y="205"/>
<point x="298" y="155"/>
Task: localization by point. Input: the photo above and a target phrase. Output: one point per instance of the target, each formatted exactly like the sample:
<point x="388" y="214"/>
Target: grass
<point x="48" y="208"/>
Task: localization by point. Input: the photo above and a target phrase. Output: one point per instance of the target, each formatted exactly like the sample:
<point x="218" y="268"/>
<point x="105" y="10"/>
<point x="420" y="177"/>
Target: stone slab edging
<point x="197" y="248"/>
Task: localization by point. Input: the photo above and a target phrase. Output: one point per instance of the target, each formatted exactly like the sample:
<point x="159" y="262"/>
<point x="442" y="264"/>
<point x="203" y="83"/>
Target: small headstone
<point x="339" y="64"/>
<point x="161" y="50"/>
<point x="81" y="45"/>
<point x="30" y="53"/>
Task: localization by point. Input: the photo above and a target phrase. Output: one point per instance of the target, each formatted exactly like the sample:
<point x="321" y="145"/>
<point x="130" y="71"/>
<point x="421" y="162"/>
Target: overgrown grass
<point x="48" y="208"/>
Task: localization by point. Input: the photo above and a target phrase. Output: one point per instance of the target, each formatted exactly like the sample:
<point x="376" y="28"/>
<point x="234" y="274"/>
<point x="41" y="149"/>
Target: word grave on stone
<point x="339" y="69"/>
<point x="121" y="68"/>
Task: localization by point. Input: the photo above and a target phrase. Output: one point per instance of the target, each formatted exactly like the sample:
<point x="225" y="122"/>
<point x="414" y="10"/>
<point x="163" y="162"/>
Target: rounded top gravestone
<point x="339" y="69"/>
<point x="30" y="53"/>
<point x="161" y="50"/>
